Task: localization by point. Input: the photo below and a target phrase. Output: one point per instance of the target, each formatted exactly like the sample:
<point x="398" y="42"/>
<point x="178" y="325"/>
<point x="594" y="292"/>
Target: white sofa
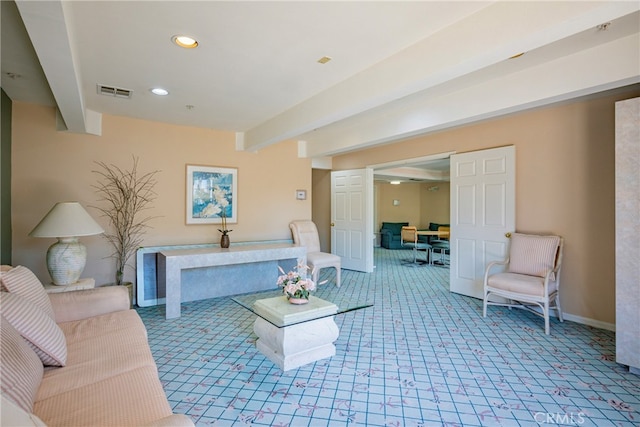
<point x="77" y="358"/>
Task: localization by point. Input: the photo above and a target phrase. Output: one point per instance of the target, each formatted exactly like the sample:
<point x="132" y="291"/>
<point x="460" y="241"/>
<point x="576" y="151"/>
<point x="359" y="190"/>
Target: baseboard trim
<point x="553" y="313"/>
<point x="589" y="322"/>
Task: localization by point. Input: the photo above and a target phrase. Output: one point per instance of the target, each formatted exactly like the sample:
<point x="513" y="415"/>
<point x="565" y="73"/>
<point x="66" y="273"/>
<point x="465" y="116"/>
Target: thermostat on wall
<point x="301" y="194"/>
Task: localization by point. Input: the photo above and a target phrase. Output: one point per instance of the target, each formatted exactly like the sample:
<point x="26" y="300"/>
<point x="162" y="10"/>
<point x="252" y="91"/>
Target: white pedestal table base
<point x="293" y="346"/>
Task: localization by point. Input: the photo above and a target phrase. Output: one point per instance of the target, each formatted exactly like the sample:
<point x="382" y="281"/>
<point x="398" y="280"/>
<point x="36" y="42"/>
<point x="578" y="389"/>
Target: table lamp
<point x="66" y="258"/>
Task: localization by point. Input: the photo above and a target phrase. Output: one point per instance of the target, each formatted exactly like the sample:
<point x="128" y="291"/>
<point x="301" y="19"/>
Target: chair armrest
<point x="78" y="305"/>
<point x="493" y="264"/>
<point x="175" y="420"/>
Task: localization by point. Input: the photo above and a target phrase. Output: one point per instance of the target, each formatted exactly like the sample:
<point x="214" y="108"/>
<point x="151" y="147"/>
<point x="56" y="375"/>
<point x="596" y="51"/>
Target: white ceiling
<point x="398" y="69"/>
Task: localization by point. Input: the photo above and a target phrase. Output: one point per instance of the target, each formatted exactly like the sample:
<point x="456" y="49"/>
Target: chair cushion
<point x="533" y="255"/>
<point x="21" y="371"/>
<point x="440" y="244"/>
<point x="419" y="245"/>
<point x="40" y="331"/>
<point x="20" y="280"/>
<point x="320" y="260"/>
<point x="520" y="283"/>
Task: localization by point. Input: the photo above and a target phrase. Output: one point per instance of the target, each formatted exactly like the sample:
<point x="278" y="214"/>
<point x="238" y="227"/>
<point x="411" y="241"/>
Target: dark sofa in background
<point x="390" y="234"/>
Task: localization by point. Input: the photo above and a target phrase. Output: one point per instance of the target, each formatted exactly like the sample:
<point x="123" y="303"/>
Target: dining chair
<point x="531" y="276"/>
<point x="441" y="244"/>
<point x="409" y="239"/>
<point x="305" y="233"/>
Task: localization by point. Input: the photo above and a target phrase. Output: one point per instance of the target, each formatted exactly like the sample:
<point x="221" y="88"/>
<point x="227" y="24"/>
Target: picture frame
<point x="212" y="192"/>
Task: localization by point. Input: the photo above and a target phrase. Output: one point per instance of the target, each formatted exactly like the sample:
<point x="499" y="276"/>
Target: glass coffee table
<point x="294" y="335"/>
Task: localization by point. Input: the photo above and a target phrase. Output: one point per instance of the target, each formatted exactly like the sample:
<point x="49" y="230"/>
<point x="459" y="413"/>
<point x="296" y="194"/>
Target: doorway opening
<point x="412" y="190"/>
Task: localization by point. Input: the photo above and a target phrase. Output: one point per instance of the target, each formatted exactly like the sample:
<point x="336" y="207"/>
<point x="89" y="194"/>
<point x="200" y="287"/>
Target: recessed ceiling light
<point x="186" y="42"/>
<point x="324" y="59"/>
<point x="394" y="182"/>
<point x="159" y="91"/>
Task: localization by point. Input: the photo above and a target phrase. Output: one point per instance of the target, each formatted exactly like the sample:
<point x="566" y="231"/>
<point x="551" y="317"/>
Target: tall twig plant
<point x="125" y="195"/>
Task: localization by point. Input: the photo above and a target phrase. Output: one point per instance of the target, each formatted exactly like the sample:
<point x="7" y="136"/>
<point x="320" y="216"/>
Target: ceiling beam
<point x="498" y="32"/>
<point x="48" y="27"/>
<point x="604" y="67"/>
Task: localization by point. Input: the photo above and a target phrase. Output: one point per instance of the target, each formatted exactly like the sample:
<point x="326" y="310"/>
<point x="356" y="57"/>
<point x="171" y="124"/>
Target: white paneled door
<point x="351" y="218"/>
<point x="482" y="213"/>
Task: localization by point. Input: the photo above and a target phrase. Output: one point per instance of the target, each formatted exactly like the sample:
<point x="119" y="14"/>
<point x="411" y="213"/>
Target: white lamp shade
<point x="67" y="257"/>
<point x="67" y="219"/>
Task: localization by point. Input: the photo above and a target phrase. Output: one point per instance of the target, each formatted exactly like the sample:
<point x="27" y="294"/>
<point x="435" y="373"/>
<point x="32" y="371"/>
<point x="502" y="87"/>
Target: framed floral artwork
<point x="212" y="195"/>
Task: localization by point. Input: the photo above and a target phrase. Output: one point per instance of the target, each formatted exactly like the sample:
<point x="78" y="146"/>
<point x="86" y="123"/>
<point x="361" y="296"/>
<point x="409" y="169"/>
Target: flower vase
<point x="224" y="241"/>
<point x="298" y="301"/>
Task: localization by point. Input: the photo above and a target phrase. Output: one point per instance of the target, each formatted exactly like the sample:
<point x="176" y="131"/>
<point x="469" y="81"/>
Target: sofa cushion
<point x="21" y="371"/>
<point x="110" y="378"/>
<point x="99" y="347"/>
<point x="40" y="331"/>
<point x="12" y="415"/>
<point x="133" y="398"/>
<point x="433" y="226"/>
<point x="532" y="254"/>
<point x="394" y="227"/>
<point x="20" y="280"/>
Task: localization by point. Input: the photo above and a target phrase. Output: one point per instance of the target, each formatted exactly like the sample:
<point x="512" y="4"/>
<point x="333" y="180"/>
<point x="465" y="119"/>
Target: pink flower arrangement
<point x="296" y="284"/>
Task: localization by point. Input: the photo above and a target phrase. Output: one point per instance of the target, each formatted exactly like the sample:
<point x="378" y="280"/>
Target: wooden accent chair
<point x="531" y="278"/>
<point x="305" y="233"/>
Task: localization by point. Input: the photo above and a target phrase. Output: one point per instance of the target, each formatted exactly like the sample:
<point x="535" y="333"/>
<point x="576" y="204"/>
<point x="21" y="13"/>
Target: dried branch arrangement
<point x="125" y="195"/>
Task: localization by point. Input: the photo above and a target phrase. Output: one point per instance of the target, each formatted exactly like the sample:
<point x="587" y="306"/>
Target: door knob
<point x="507" y="235"/>
<point x="332" y="224"/>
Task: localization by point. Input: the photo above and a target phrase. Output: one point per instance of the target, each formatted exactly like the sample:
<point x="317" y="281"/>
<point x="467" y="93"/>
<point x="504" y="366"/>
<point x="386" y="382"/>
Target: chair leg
<point x="484" y="305"/>
<point x="337" y="277"/>
<point x="545" y="313"/>
<point x="559" y="310"/>
<point x="485" y="302"/>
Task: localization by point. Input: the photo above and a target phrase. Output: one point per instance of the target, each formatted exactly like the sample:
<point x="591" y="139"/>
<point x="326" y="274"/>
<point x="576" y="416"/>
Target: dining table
<point x="441" y="234"/>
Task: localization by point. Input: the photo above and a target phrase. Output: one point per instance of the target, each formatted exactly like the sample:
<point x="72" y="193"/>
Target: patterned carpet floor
<point x="421" y="356"/>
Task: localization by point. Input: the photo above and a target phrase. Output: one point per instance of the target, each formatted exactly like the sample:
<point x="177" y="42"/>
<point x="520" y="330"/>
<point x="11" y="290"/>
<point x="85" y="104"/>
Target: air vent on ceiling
<point x="118" y="92"/>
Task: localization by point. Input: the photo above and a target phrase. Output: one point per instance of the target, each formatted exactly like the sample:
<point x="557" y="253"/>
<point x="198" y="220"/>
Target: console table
<point x="222" y="270"/>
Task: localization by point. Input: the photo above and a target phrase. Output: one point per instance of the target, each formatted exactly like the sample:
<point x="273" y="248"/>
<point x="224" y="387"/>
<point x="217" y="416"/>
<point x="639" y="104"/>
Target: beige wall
<point x="408" y="210"/>
<point x="51" y="166"/>
<point x="435" y="205"/>
<point x="564" y="185"/>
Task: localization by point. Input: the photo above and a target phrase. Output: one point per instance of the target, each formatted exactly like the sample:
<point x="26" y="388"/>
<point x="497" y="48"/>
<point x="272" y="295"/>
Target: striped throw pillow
<point x="20" y="280"/>
<point x="22" y="370"/>
<point x="532" y="254"/>
<point x="41" y="332"/>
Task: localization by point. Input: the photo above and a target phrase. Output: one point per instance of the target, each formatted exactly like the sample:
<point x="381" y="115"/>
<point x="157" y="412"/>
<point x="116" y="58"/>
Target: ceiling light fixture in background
<point x="324" y="59"/>
<point x="186" y="42"/>
<point x="159" y="91"/>
<point x="394" y="182"/>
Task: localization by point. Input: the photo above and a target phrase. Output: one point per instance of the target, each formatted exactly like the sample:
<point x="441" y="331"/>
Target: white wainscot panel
<point x="466" y="255"/>
<point x="495" y="205"/>
<point x="494" y="166"/>
<point x="466" y="214"/>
